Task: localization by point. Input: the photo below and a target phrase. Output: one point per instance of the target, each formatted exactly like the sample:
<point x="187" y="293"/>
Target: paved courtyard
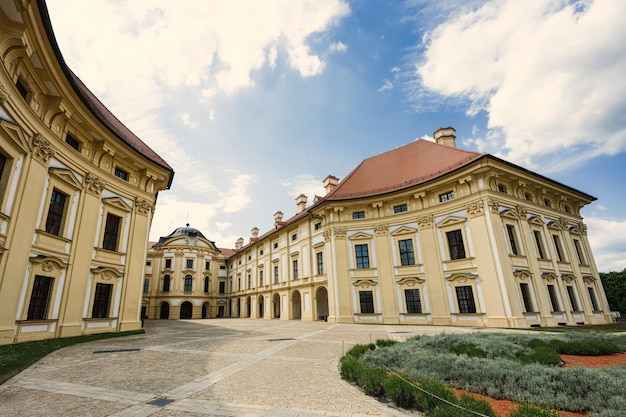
<point x="223" y="367"/>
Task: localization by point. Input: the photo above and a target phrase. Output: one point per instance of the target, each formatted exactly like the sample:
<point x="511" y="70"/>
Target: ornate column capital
<point x="381" y="229"/>
<point x="340" y="233"/>
<point x="475" y="209"/>
<point x="93" y="184"/>
<point x="143" y="206"/>
<point x="425" y="222"/>
<point x="42" y="149"/>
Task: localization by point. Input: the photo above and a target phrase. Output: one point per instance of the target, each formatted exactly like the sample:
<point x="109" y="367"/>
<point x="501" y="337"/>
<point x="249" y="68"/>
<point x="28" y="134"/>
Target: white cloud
<point x="528" y="65"/>
<point x="338" y="47"/>
<point x="607" y="238"/>
<point x="186" y="118"/>
<point x="387" y="85"/>
<point x="304" y="184"/>
<point x="237" y="197"/>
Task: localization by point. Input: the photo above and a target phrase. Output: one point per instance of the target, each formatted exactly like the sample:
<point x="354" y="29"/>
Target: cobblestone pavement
<point x="219" y="367"/>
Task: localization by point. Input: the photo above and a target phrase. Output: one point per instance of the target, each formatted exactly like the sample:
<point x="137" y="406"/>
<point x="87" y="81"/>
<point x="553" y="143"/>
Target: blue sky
<point x="253" y="103"/>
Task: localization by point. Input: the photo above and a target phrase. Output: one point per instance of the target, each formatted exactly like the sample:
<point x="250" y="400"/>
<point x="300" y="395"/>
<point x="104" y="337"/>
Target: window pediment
<point x="118" y="203"/>
<point x="461" y="278"/>
<point x="365" y="283"/>
<point x="451" y="220"/>
<point x="67" y="177"/>
<point x="411" y="281"/>
<point x="548" y="276"/>
<point x="360" y="236"/>
<point x="404" y="230"/>
<point x="509" y="213"/>
<point x="535" y="220"/>
<point x="15" y="133"/>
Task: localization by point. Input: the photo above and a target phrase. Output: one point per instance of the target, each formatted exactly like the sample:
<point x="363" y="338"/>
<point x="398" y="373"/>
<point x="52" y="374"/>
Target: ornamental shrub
<point x="528" y="410"/>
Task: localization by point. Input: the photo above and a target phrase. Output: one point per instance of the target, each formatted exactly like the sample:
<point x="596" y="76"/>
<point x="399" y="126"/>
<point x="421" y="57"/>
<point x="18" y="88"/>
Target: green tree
<point x="615" y="288"/>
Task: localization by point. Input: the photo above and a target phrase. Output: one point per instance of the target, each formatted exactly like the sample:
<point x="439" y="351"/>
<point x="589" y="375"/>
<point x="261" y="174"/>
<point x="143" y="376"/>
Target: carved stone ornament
<point x="425" y="222"/>
<point x="93" y="184"/>
<point x="381" y="229"/>
<point x="143" y="206"/>
<point x="340" y="233"/>
<point x="494" y="206"/>
<point x="107" y="275"/>
<point x="42" y="149"/>
<point x="47" y="266"/>
<point x="191" y="241"/>
<point x="326" y="235"/>
<point x="475" y="209"/>
<point x="521" y="211"/>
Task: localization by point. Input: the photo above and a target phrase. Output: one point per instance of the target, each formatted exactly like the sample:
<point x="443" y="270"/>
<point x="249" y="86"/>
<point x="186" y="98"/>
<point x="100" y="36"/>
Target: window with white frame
<point x="413" y="301"/>
<point x="366" y="302"/>
<point x="362" y="256"/>
<point x="407" y="256"/>
<point x="465" y="299"/>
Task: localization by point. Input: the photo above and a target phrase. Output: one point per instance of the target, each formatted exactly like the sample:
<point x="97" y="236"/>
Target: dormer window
<point x="502" y="188"/>
<point x="358" y="215"/>
<point x="400" y="208"/>
<point x="120" y="173"/>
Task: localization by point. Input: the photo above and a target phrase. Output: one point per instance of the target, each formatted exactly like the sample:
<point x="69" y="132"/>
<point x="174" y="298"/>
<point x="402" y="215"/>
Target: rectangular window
<point x="572" y="298"/>
<point x="222" y="287"/>
<point x="120" y="173"/>
<point x="547" y="202"/>
<point x="249" y="281"/>
<point x="558" y="247"/>
<point x="206" y="284"/>
<point x="446" y="196"/>
<point x="260" y="251"/>
<point x="40" y="298"/>
<point x="21" y="88"/>
<point x="362" y="256"/>
<point x="413" y="301"/>
<point x="540" y="251"/>
<point x="317" y="226"/>
<point x="502" y="188"/>
<point x="295" y="269"/>
<point x="579" y="252"/>
<point x="528" y="304"/>
<point x="72" y="141"/>
<point x="146" y="285"/>
<point x="400" y="209"/>
<point x="54" y="222"/>
<point x="553" y="298"/>
<point x="528" y="196"/>
<point x="188" y="283"/>
<point x="358" y="215"/>
<point x="102" y="300"/>
<point x="510" y="230"/>
<point x="168" y="263"/>
<point x="320" y="263"/>
<point x="594" y="300"/>
<point x="465" y="298"/>
<point x="275" y="245"/>
<point x="275" y="274"/>
<point x="366" y="299"/>
<point x="407" y="256"/>
<point x="294" y="236"/>
<point x="111" y="232"/>
<point x="455" y="244"/>
<point x="207" y="265"/>
<point x="166" y="283"/>
<point x="189" y="263"/>
<point x="261" y="277"/>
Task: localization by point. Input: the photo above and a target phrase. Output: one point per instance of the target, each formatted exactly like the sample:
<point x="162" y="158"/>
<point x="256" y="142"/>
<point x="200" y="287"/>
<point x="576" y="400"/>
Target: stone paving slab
<point x="189" y="368"/>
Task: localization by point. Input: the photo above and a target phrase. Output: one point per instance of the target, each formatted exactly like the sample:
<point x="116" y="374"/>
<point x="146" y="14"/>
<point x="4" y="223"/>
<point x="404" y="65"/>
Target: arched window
<point x="166" y="283"/>
<point x="206" y="284"/>
<point x="188" y="282"/>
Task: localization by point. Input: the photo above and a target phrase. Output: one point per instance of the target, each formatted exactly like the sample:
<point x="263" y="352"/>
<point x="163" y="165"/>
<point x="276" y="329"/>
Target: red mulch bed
<point x="504" y="407"/>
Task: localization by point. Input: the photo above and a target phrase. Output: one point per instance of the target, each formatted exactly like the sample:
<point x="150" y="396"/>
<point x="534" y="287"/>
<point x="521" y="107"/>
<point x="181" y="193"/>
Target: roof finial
<point x="187" y="224"/>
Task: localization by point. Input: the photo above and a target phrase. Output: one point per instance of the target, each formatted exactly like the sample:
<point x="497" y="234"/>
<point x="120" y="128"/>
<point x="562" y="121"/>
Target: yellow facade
<point x="481" y="242"/>
<point x="77" y="194"/>
<point x="185" y="278"/>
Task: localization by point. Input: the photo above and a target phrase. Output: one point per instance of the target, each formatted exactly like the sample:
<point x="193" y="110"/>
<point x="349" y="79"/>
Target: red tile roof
<point x="409" y="165"/>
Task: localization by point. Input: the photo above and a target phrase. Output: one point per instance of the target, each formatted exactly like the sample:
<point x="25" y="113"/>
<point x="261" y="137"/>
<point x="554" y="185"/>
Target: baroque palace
<point x="422" y="234"/>
<point x="77" y="193"/>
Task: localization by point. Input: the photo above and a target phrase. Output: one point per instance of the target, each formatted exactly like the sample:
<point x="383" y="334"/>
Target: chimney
<point x="255" y="233"/>
<point x="239" y="243"/>
<point x="301" y="202"/>
<point x="446" y="136"/>
<point x="330" y="182"/>
<point x="278" y="219"/>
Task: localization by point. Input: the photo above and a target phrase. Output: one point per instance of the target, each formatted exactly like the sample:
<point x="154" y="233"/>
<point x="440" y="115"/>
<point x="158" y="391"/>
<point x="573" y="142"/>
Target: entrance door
<point x="165" y="311"/>
<point x="321" y="298"/>
<point x="186" y="309"/>
<point x="205" y="310"/>
<point x="296" y="313"/>
<point x="220" y="311"/>
<point x="261" y="305"/>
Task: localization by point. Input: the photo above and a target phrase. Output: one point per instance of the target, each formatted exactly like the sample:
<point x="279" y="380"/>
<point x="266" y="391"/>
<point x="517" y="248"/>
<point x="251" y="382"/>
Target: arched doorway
<point x="165" y="310"/>
<point x="296" y="311"/>
<point x="261" y="306"/>
<point x="205" y="310"/>
<point x="276" y="306"/>
<point x="238" y="307"/>
<point x="186" y="310"/>
<point x="321" y="299"/>
<point x="248" y="307"/>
